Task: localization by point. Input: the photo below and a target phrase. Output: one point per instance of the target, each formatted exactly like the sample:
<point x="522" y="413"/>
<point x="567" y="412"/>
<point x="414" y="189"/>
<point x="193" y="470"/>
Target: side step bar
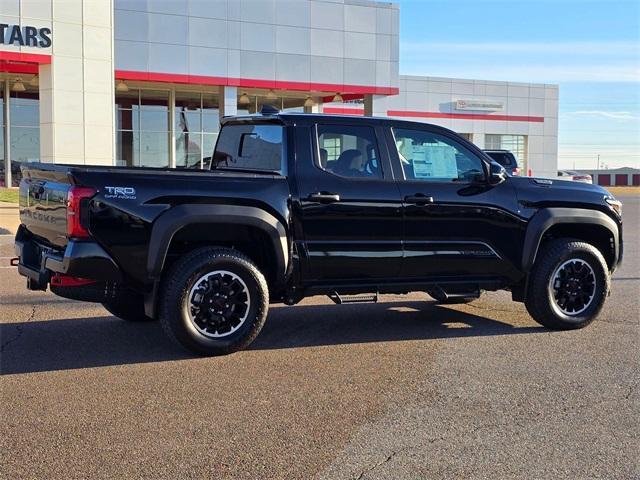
<point x="365" y="298"/>
<point x="439" y="294"/>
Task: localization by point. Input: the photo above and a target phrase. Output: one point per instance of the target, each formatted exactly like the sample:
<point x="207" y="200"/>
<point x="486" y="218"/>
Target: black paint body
<point x="477" y="233"/>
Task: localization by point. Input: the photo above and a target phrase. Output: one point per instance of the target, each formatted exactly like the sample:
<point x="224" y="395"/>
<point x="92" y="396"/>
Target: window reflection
<point x="256" y="102"/>
<point x="3" y="160"/>
<point x="516" y="144"/>
<point x="24" y="130"/>
<point x="196" y="126"/>
<point x="142" y="128"/>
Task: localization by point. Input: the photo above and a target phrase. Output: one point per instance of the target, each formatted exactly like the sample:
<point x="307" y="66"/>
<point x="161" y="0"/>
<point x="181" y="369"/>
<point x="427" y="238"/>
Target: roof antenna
<point x="268" y="110"/>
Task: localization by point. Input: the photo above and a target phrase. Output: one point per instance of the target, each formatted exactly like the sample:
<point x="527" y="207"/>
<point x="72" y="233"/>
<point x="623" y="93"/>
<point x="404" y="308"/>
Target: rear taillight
<point x="60" y="280"/>
<point x="77" y="203"/>
<point x="515" y="172"/>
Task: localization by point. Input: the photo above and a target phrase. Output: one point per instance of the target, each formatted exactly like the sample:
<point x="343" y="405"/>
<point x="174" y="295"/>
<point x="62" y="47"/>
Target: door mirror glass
<point x="497" y="173"/>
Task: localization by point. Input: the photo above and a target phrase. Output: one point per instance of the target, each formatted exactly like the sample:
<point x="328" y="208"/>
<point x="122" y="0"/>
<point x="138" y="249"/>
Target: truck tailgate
<point x="43" y="204"/>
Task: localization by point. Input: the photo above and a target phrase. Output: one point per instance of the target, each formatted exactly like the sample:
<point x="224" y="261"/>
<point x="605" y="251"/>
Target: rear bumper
<point x="82" y="259"/>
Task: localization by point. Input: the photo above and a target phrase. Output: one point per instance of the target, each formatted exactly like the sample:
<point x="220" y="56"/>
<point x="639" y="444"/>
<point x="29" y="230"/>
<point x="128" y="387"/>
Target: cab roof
<point x="293" y="118"/>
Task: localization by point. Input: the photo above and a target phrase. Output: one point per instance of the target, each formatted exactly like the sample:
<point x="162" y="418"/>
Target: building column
<point x="7" y="134"/>
<point x="228" y="101"/>
<point x="478" y="139"/>
<point x="172" y="128"/>
<point x="77" y="88"/>
<point x="374" y="106"/>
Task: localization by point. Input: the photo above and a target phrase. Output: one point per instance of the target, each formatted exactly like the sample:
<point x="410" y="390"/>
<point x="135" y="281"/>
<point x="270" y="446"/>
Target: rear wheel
<point x="568" y="285"/>
<point x="215" y="301"/>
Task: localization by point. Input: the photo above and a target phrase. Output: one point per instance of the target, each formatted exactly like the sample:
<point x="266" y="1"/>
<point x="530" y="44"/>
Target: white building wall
<point x="26" y="12"/>
<point x="76" y="88"/>
<point x="346" y="42"/>
<point x="434" y="95"/>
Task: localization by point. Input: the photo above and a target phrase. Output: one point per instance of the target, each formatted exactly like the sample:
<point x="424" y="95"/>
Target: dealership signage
<point x="482" y="105"/>
<point x="25" y="36"/>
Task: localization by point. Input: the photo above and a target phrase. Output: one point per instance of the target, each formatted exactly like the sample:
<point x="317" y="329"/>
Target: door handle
<point x="324" y="197"/>
<point x="419" y="199"/>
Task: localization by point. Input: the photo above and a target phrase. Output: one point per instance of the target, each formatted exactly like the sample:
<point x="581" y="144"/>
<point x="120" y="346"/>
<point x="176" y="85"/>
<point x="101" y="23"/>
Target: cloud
<point x="617" y="48"/>
<point x="606" y="114"/>
<point x="531" y="71"/>
<point x="550" y="62"/>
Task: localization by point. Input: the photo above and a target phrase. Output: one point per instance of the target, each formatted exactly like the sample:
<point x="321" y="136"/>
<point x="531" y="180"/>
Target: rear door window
<point x="349" y="151"/>
<point x="253" y="147"/>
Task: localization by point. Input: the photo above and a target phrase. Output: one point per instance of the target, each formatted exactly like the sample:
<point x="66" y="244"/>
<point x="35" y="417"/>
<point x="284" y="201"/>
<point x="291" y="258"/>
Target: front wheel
<point x="568" y="285"/>
<point x="215" y="301"/>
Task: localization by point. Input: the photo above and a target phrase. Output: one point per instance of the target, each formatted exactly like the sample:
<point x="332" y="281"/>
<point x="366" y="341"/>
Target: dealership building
<point x="145" y="82"/>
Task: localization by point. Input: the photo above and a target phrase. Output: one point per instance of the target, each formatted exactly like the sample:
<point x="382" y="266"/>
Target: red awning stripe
<point x="11" y="67"/>
<point x="343" y="111"/>
<point x="464" y="116"/>
<point x="20" y="57"/>
<point x="252" y="83"/>
<point x="410" y="114"/>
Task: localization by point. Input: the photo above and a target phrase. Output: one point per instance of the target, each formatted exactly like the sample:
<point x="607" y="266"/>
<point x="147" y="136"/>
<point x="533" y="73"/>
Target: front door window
<point x="433" y="157"/>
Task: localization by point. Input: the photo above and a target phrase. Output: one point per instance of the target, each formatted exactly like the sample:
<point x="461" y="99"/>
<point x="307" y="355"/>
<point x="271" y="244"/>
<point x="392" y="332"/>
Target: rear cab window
<point x="250" y="147"/>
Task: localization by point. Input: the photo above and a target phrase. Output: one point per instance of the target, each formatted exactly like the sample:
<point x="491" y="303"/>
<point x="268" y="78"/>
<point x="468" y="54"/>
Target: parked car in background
<point x="15" y="174"/>
<point x="575" y="176"/>
<point x="507" y="159"/>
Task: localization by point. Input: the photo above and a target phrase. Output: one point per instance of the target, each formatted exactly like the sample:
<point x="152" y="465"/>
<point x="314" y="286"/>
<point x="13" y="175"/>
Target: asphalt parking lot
<point x="398" y="389"/>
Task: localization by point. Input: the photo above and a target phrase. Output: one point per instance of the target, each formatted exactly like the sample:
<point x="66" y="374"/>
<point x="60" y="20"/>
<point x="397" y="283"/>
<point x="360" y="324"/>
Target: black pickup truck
<point x="300" y="204"/>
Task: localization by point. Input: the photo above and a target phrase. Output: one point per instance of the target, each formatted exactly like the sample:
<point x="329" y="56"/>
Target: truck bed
<point x="44" y="191"/>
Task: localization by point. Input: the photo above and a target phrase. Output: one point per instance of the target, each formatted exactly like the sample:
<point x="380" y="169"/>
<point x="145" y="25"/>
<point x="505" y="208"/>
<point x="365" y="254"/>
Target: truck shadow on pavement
<point x="40" y="346"/>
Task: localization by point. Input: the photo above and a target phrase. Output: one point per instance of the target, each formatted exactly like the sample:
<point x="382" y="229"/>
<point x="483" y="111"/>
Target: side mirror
<point x="497" y="173"/>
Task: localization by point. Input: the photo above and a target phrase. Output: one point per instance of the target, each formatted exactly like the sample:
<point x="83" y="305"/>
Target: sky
<point x="590" y="48"/>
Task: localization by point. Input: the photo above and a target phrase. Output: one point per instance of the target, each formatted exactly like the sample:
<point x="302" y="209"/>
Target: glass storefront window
<point x="516" y="144"/>
<point x="3" y="160"/>
<point x="142" y="128"/>
<point x="196" y="126"/>
<point x="284" y="104"/>
<point x="24" y="130"/>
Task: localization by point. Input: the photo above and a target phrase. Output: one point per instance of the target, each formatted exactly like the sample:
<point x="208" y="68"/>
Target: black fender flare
<point x="170" y="222"/>
<point x="545" y="218"/>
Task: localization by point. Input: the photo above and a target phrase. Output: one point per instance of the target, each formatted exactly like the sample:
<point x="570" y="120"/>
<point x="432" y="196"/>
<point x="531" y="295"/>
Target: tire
<point x="213" y="277"/>
<point x="587" y="285"/>
<point x="128" y="307"/>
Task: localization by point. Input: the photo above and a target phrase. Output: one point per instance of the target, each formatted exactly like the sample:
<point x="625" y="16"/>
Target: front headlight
<point x="615" y="205"/>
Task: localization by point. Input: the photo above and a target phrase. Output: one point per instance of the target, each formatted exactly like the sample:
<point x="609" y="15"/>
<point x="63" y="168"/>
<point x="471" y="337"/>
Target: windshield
<point x="251" y="147"/>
